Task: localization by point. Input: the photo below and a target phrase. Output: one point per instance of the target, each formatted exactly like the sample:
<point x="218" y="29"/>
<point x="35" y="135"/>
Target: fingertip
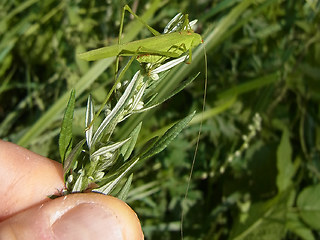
<point x="102" y="217"/>
<point x="76" y="216"/>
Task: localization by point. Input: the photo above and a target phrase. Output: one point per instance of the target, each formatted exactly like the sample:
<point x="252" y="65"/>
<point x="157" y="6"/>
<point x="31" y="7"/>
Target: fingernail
<point x="88" y="221"/>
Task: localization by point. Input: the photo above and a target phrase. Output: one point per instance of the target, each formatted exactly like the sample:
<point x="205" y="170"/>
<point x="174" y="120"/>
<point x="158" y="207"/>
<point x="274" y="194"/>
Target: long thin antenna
<point x="198" y="139"/>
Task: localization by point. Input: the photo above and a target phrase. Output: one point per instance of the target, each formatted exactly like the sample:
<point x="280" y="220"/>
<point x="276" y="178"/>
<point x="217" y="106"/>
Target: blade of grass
<point x="169" y="135"/>
<point x="249" y="86"/>
<point x="123" y="194"/>
<point x="65" y="138"/>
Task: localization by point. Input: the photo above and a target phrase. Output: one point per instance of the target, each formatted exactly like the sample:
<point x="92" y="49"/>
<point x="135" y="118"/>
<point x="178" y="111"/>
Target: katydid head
<point x="197" y="39"/>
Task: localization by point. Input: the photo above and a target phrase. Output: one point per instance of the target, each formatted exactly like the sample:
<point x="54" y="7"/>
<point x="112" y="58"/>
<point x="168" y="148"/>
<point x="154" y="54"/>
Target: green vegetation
<point x="251" y="179"/>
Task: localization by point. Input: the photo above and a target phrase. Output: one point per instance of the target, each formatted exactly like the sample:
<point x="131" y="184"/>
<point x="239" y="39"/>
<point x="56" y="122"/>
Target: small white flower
<point x="257" y="117"/>
<point x="94" y="158"/>
<point x="154" y="76"/>
<point x="107" y="155"/>
<point x="107" y="112"/>
<point x="130" y="101"/>
<point x="257" y="121"/>
<point x="70" y="178"/>
<point x="91" y="178"/>
<point x="118" y="85"/>
<point x="139" y="105"/>
<point x="136" y="99"/>
<point x="204" y="175"/>
<point x="253" y="133"/>
<point x="245" y="138"/>
<point x="99" y="175"/>
<point x="125" y="82"/>
<point x="237" y="153"/>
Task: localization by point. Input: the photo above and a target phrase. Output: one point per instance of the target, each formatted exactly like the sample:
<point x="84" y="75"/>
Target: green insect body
<point x="177" y="39"/>
<point x="149" y="50"/>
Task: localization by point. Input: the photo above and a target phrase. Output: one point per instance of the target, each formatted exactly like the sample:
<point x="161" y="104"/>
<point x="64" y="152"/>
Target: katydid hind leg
<point x="146" y="55"/>
<point x="124" y="9"/>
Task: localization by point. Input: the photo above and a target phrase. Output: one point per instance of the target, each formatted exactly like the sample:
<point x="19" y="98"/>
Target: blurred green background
<point x="263" y="57"/>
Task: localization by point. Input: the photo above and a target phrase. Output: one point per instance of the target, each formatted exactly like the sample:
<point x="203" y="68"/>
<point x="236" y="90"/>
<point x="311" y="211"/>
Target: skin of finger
<point x="36" y="222"/>
<point x="27" y="179"/>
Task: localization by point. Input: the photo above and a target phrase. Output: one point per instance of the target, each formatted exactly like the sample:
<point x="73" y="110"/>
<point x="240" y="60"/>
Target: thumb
<point x="75" y="216"/>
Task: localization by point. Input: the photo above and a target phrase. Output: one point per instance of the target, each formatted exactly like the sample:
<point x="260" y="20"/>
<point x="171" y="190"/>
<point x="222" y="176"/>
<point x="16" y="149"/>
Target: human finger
<point x="75" y="216"/>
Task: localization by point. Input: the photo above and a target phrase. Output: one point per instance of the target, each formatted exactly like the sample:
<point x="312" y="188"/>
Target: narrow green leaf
<point x="147" y="146"/>
<point x="284" y="162"/>
<point x="72" y="157"/>
<point x="250" y="85"/>
<point x="89" y="118"/>
<point x="128" y="147"/>
<point x="107" y="188"/>
<point x="169" y="135"/>
<point x="109" y="148"/>
<point x="143" y="191"/>
<point x="123" y="194"/>
<point x="65" y="138"/>
<point x="80" y="183"/>
<point x="117" y="108"/>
